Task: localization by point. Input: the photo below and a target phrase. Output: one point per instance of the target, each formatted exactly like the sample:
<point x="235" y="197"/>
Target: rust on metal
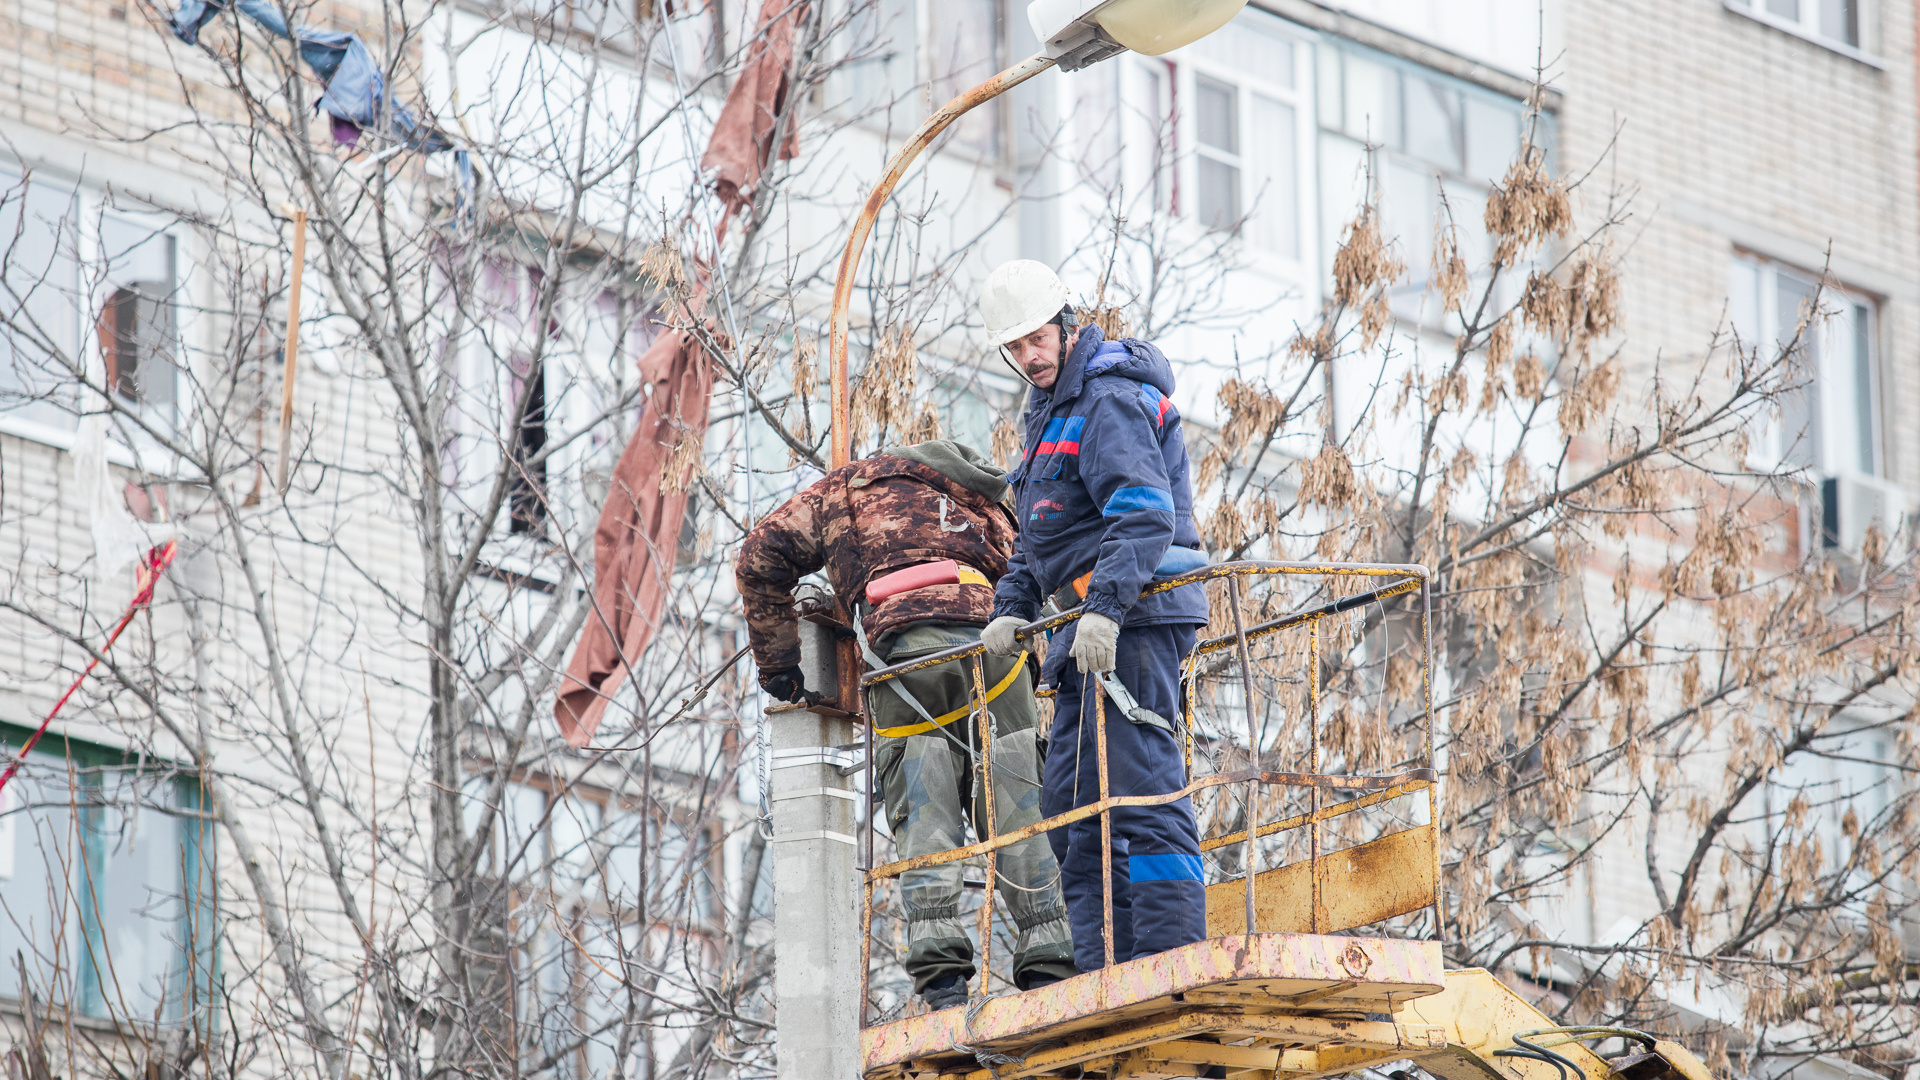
<point x="842" y="451"/>
<point x="987" y="819"/>
<point x="1313" y="764"/>
<point x="1479" y="1015"/>
<point x="1081" y="813"/>
<point x="1212" y="572"/>
<point x="1338" y="809"/>
<point x="1298" y="618"/>
<point x="1131" y="1005"/>
<point x="1106" y="824"/>
<point x="1356" y="886"/>
<point x="1246" y="984"/>
<point x="1253" y="753"/>
<point x="1191" y="577"/>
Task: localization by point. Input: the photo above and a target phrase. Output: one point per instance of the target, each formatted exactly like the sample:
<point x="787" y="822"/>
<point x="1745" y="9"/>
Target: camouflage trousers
<point x="933" y="789"/>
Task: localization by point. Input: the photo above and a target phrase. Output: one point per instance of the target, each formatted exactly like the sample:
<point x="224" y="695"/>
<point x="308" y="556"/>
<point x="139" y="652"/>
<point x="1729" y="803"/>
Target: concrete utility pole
<point x="816" y="889"/>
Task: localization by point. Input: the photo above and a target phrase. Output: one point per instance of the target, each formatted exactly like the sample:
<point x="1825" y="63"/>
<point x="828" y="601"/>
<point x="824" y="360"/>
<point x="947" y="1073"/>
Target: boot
<point x="945" y="992"/>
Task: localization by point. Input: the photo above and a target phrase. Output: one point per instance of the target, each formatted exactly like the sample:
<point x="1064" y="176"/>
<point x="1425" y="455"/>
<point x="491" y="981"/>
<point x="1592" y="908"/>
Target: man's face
<point x="1038" y="354"/>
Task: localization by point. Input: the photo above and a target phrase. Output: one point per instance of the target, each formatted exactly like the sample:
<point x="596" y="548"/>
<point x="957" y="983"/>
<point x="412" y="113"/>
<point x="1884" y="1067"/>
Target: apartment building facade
<point x="1766" y="147"/>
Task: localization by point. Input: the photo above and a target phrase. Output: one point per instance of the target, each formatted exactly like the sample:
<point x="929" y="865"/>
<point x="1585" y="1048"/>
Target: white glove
<point x="1094" y="643"/>
<point x="998" y="636"/>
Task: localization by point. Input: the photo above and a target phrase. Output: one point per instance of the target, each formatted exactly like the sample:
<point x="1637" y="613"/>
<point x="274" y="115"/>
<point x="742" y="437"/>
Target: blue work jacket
<point x="1104" y="485"/>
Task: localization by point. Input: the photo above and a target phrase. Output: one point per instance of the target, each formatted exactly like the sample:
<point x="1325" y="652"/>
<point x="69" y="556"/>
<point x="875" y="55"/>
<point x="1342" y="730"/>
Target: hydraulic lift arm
<point x="1494" y="1034"/>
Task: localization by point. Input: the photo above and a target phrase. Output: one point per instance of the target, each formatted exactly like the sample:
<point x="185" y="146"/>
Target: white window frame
<point x="89" y="204"/>
<point x="925" y="14"/>
<point x="1769" y="449"/>
<point x="78" y="867"/>
<point x="1464" y="185"/>
<point x="1180" y="73"/>
<point x="1807" y="27"/>
<point x="909" y="93"/>
<point x="486" y="386"/>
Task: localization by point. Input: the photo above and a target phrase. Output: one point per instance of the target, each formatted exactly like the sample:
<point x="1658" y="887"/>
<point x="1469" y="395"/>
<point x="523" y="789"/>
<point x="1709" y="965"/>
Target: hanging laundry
<point x="742" y="140"/>
<point x="194" y="14"/>
<point x="356" y="90"/>
<point x="638" y="536"/>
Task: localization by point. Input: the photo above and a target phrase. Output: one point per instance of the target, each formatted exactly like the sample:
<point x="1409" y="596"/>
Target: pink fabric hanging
<point x="742" y="140"/>
<point x="639" y="532"/>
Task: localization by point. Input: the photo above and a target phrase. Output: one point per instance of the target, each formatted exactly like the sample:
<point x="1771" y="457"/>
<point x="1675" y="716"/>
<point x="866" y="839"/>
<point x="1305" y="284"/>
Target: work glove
<point x="788" y="685"/>
<point x="998" y="636"/>
<point x="1095" y="642"/>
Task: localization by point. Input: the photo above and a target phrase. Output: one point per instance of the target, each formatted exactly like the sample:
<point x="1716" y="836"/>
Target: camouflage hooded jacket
<point x="870" y="518"/>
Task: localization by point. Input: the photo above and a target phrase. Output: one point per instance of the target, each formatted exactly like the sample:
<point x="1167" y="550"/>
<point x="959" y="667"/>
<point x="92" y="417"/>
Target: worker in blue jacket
<point x="1105" y="505"/>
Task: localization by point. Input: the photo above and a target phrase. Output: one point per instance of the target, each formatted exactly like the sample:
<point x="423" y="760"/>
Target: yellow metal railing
<point x="1418" y="777"/>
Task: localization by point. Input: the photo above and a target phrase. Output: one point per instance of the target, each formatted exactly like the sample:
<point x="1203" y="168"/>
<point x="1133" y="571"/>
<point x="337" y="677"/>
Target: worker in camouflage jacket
<point x="914" y="538"/>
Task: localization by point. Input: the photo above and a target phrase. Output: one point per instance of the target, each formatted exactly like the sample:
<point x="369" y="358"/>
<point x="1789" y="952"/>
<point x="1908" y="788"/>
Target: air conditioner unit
<point x="1850" y="503"/>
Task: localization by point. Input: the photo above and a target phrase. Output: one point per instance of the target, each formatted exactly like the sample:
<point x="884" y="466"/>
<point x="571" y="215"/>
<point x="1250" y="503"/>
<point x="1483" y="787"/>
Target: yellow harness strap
<point x="944" y="719"/>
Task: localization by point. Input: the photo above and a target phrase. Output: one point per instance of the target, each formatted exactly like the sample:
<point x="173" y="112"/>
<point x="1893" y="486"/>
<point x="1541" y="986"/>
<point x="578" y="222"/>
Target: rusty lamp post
<point x="1073" y="34"/>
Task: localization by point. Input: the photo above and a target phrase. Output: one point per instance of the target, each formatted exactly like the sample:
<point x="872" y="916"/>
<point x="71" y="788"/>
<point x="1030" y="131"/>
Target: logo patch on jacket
<point x="1042" y="508"/>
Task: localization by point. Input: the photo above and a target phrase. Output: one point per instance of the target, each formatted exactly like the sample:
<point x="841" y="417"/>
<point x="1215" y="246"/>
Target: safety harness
<point x="941" y="572"/>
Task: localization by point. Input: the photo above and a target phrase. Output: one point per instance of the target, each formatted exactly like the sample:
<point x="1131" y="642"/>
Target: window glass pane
<point x="1493" y="137"/>
<point x="1469" y="221"/>
<point x="124" y="865"/>
<point x="1433" y="123"/>
<point x="1851" y="332"/>
<point x="691" y="24"/>
<point x="1743" y="301"/>
<point x="1327" y="63"/>
<point x="968" y="417"/>
<point x="1799" y="411"/>
<point x="1276" y="212"/>
<point x="1219" y="195"/>
<point x="621" y="873"/>
<point x="1343" y="188"/>
<point x="1251" y="44"/>
<point x="1216" y="115"/>
<point x="1839" y="20"/>
<point x="1409" y="202"/>
<point x="1373" y="102"/>
<point x="963" y="49"/>
<point x="520" y="815"/>
<point x="34" y="878"/>
<point x="39" y="297"/>
<point x="132" y="901"/>
<point x="1162" y="132"/>
<point x="571" y="831"/>
<point x="1786" y="9"/>
<point x="1096" y="98"/>
<point x="138" y="338"/>
<point x="881" y="37"/>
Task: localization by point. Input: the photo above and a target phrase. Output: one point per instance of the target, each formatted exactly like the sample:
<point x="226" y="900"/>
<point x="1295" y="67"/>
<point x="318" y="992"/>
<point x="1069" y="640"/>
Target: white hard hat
<point x="1020" y="297"/>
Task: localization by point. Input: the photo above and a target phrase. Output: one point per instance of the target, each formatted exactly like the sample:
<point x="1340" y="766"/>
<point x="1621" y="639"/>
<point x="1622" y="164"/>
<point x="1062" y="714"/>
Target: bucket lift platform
<point x="1300" y="996"/>
<point x="1305" y="1004"/>
<point x="1270" y="1007"/>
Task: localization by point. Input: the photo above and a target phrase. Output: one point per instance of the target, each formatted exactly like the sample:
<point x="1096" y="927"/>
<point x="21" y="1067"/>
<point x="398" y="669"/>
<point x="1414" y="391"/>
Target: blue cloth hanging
<point x="355" y="88"/>
<point x="194" y="14"/>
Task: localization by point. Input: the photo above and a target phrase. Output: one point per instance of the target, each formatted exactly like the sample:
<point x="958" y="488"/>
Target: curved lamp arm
<point x="842" y="451"/>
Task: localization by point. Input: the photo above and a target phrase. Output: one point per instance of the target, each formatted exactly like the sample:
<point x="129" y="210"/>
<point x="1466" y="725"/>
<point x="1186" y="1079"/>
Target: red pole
<point x="152" y="565"/>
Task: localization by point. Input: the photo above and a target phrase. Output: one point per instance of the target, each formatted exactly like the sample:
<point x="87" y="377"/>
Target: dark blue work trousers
<point x="1159" y="893"/>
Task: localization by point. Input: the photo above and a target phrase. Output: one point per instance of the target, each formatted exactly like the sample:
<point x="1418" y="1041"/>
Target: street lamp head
<point x="1076" y="33"/>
